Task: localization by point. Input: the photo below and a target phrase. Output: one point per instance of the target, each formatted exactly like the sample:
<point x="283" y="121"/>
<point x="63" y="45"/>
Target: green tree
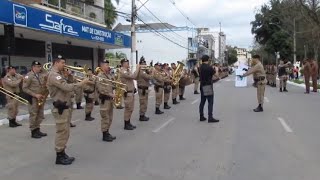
<point x="232" y="55"/>
<point x="110" y="14"/>
<point x="120" y="55"/>
<point x="268" y="28"/>
<point x="110" y="55"/>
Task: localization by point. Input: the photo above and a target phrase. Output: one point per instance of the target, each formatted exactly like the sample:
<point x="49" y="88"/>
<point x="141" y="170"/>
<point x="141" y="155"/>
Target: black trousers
<point x="2" y="99"/>
<point x="210" y="104"/>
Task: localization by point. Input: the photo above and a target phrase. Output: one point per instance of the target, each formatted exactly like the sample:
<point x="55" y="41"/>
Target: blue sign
<point x="25" y="16"/>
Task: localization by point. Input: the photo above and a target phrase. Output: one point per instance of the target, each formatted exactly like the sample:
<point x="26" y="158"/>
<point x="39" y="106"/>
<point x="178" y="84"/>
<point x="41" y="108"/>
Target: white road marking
<point x="55" y="124"/>
<point x="163" y="125"/>
<point x="285" y="125"/>
<point x="195" y="101"/>
<point x="266" y="99"/>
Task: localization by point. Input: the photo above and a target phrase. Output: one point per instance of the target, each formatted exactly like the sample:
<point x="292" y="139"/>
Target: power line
<point x="183" y="14"/>
<point x="162" y="22"/>
<point x="158" y="33"/>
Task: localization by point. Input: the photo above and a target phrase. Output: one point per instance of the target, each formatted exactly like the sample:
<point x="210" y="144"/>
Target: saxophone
<point x="119" y="90"/>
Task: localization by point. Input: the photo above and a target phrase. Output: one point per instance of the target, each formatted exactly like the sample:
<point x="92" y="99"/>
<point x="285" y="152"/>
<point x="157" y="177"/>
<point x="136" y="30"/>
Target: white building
<point x="156" y="46"/>
<point x="243" y="56"/>
<point x="222" y="46"/>
<point x="206" y="42"/>
<point x="219" y="40"/>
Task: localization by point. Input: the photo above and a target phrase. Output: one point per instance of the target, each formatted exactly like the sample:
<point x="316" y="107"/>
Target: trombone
<point x="14" y="96"/>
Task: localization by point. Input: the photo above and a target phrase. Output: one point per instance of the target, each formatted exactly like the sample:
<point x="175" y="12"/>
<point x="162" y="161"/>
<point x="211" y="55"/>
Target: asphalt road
<point x="279" y="143"/>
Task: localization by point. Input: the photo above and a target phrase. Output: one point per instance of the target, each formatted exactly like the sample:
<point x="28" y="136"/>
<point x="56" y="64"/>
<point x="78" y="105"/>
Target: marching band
<point x="101" y="85"/>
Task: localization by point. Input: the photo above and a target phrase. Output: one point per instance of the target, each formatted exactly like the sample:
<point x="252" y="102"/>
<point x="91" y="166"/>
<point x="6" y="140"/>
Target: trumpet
<point x="48" y="67"/>
<point x="14" y="96"/>
<point x="98" y="70"/>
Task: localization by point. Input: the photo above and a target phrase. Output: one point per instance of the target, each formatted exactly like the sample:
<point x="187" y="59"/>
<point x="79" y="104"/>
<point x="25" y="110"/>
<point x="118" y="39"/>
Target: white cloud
<point x="235" y="15"/>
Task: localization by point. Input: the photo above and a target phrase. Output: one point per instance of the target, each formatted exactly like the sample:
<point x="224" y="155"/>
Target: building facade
<point x="42" y="29"/>
<point x="206" y="43"/>
<point x="153" y="44"/>
<point x="244" y="56"/>
<point x="222" y="47"/>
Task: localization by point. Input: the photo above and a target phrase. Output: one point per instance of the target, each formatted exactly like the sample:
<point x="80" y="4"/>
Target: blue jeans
<point x="210" y="104"/>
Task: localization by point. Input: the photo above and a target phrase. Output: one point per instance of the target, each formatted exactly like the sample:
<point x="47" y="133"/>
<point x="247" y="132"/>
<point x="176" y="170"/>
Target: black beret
<point x="158" y="64"/>
<point x="35" y="63"/>
<point x="142" y="61"/>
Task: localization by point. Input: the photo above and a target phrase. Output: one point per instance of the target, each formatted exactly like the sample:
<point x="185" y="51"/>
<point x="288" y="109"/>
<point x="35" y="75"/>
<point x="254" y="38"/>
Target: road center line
<point x="195" y="101"/>
<point x="285" y="125"/>
<point x="163" y="125"/>
<point x="266" y="99"/>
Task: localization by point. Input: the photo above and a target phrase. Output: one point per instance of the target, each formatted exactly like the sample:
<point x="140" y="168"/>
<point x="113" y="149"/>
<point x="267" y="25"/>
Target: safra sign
<point x="58" y="26"/>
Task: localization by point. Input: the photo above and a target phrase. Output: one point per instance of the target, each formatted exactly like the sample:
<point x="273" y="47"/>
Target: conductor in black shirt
<point x="206" y="89"/>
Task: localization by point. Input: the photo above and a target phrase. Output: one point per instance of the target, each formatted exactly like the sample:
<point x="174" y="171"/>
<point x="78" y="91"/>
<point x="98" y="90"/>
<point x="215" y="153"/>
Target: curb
<point x="298" y="85"/>
<point x="26" y="116"/>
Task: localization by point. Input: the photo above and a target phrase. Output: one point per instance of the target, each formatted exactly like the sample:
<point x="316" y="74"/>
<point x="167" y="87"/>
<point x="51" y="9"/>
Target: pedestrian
<point x="260" y="77"/>
<point x="306" y="74"/>
<point x="314" y="75"/>
<point x="206" y="89"/>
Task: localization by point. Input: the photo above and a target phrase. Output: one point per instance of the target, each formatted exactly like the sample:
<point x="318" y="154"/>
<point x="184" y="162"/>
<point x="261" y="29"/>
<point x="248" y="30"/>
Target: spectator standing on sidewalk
<point x="314" y="75"/>
<point x="306" y="74"/>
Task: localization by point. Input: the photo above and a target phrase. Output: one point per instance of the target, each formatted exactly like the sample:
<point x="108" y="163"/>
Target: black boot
<point x="88" y="117"/>
<point x="143" y="118"/>
<point x="181" y="97"/>
<point x="120" y="107"/>
<point x="15" y="123"/>
<point x="35" y="134"/>
<point x="96" y="103"/>
<point x="258" y="109"/>
<point x="280" y="90"/>
<point x="202" y="118"/>
<point x="79" y="106"/>
<point x="107" y="137"/>
<point x="158" y="111"/>
<point x="11" y="123"/>
<point x="41" y="133"/>
<point x="174" y="101"/>
<point x="66" y="156"/>
<point x="285" y="89"/>
<point x="62" y="159"/>
<point x="212" y="120"/>
<point x="72" y="125"/>
<point x="166" y="106"/>
<point x="196" y="92"/>
<point x="128" y="125"/>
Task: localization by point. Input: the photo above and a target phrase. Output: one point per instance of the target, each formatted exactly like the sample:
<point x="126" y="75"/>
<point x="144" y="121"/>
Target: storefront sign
<point x="33" y="18"/>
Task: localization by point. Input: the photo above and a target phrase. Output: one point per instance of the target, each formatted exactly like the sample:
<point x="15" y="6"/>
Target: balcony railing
<point x="77" y="8"/>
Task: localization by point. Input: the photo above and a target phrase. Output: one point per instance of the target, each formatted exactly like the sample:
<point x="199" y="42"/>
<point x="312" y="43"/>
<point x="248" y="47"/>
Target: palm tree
<point x="110" y="15"/>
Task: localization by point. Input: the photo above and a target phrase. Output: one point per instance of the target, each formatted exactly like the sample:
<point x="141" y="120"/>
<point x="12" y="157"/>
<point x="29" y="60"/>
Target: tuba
<point x="177" y="73"/>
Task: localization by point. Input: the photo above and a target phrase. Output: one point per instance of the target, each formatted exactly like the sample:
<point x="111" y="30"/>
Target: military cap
<point x="158" y="64"/>
<point x="124" y="60"/>
<point x="35" y="63"/>
<point x="10" y="67"/>
<point x="105" y="61"/>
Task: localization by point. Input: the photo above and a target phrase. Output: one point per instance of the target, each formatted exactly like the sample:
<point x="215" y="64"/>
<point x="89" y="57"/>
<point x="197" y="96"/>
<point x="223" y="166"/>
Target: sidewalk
<point x="302" y="85"/>
<point x="24" y="112"/>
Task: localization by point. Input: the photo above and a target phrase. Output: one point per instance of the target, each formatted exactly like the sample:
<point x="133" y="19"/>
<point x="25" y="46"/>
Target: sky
<point x="235" y="15"/>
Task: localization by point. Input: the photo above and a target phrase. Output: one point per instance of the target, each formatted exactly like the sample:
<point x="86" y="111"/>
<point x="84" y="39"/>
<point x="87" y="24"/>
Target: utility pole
<point x="133" y="34"/>
<point x="294" y="42"/>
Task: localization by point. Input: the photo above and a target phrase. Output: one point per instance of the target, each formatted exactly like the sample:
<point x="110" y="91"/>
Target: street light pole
<point x="294" y="42"/>
<point x="133" y="34"/>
